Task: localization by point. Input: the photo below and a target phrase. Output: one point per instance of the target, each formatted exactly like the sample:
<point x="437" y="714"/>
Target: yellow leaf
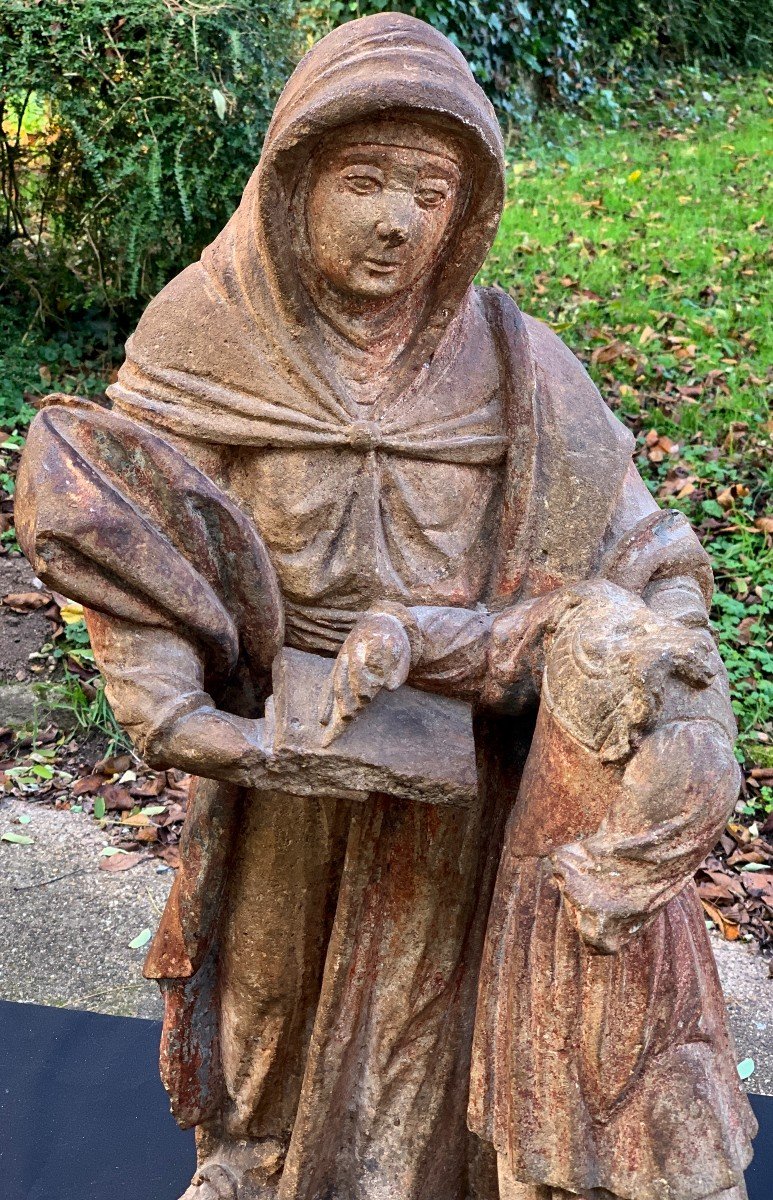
<point x="71" y="612"/>
<point x="634" y="176"/>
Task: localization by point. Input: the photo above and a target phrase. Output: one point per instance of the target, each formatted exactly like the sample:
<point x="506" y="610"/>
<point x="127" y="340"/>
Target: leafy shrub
<point x="519" y="52"/>
<point x="129" y="128"/>
<point x="35" y="361"/>
<point x="682" y="30"/>
<point x="529" y="51"/>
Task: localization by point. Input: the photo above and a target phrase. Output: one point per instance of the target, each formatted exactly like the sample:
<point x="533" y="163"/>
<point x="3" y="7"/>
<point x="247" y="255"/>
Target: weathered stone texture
<point x="434" y="934"/>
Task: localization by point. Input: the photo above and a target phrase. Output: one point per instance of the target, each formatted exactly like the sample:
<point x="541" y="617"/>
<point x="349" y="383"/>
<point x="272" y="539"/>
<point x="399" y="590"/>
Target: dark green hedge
<point x="526" y="53"/>
<point x="129" y="129"/>
<point x="738" y="32"/>
<point x="519" y="52"/>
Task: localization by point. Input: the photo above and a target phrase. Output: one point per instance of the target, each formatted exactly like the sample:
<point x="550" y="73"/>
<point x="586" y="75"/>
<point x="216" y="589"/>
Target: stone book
<point x="407" y="743"/>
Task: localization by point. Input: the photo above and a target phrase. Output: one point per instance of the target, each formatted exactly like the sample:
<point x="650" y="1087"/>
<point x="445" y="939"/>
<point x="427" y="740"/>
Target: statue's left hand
<point x="375" y="655"/>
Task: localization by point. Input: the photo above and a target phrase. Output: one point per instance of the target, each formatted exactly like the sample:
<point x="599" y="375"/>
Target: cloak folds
<point x="229" y="354"/>
<point x="168" y="551"/>
<point x="372" y="923"/>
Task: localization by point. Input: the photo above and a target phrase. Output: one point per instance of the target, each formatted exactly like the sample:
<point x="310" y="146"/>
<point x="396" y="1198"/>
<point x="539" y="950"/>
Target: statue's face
<point x="377" y="215"/>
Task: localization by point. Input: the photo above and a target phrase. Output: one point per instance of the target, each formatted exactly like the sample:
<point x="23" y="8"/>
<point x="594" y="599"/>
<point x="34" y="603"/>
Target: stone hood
<point x="229" y="351"/>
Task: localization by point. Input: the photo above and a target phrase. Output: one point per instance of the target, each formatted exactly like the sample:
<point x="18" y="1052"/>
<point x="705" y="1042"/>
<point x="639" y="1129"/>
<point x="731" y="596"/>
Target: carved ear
<point x="628" y="721"/>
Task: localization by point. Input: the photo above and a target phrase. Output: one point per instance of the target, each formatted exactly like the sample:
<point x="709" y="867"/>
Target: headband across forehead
<point x="411" y="133"/>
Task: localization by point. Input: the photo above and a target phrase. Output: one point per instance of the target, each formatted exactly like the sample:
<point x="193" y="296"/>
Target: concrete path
<point x="748" y="988"/>
<point x="66" y="942"/>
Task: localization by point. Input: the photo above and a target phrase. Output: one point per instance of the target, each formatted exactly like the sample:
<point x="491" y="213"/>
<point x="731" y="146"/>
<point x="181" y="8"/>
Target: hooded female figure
<point x="320" y="424"/>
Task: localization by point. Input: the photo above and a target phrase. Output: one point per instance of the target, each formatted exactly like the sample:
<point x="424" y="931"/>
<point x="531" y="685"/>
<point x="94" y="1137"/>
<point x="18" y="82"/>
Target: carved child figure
<point x="325" y="437"/>
<point x="601" y="1058"/>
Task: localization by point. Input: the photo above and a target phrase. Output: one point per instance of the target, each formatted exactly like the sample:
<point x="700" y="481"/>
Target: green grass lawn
<point x="646" y="247"/>
<point x="638" y="232"/>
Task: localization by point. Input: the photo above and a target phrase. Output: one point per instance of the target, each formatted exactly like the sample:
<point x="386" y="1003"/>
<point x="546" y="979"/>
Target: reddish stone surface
<point x="444" y="956"/>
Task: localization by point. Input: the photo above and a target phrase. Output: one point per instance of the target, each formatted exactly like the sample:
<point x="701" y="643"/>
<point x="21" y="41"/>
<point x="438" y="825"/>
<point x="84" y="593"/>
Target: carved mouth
<point x="382" y="266"/>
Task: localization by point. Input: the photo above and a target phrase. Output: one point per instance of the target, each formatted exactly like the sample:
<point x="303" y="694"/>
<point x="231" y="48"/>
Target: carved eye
<point x="362" y="185"/>
<point x="430" y="197"/>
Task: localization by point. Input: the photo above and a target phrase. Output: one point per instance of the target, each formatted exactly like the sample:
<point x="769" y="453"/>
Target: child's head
<point x="609" y="662"/>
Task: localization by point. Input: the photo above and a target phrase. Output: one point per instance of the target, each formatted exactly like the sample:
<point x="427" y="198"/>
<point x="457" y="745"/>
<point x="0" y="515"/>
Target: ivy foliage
<point x="129" y="128"/>
<point x="528" y="52"/>
<point x="519" y="52"/>
<point x="683" y="31"/>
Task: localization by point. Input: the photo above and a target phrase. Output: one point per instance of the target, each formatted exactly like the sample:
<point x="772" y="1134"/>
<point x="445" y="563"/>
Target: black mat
<point x="83" y="1115"/>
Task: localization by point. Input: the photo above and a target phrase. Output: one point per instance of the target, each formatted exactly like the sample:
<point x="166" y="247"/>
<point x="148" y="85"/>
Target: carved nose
<point x="391" y="234"/>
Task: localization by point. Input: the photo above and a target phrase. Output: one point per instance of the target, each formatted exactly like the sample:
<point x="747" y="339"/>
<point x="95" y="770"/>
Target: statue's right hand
<point x="210" y="743"/>
<point x="516" y="654"/>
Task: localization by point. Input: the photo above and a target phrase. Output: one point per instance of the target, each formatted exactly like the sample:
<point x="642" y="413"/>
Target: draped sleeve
<point x="182" y="601"/>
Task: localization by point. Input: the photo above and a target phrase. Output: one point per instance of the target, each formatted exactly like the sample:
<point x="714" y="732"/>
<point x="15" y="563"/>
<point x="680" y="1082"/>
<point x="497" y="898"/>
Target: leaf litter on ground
<point x="143" y="817"/>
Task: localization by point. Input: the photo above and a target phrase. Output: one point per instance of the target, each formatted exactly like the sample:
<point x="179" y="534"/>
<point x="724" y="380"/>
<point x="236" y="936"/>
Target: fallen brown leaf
<point x="170" y="855"/>
<point x="612" y="351"/>
<point x="25" y="602"/>
<point x="136" y="820"/>
<point x="152" y="786"/>
<point x="756" y="853"/>
<point x="744" y="633"/>
<point x="148" y="833"/>
<point x="668" y="444"/>
<point x="119" y="862"/>
<point x="113" y="765"/>
<point x="728" y="929"/>
<point x="117" y="798"/>
<point x="175" y="813"/>
<point x="87" y="785"/>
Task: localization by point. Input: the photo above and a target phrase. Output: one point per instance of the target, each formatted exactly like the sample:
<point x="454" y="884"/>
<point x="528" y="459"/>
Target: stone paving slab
<point x="748" y="989"/>
<point x="66" y="943"/>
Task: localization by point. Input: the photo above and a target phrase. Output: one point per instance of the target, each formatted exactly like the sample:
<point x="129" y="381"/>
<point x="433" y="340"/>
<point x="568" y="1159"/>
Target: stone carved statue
<point x="363" y="549"/>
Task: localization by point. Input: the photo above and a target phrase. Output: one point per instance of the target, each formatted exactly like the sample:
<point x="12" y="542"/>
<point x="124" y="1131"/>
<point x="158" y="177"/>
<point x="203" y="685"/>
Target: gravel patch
<point x="748" y="989"/>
